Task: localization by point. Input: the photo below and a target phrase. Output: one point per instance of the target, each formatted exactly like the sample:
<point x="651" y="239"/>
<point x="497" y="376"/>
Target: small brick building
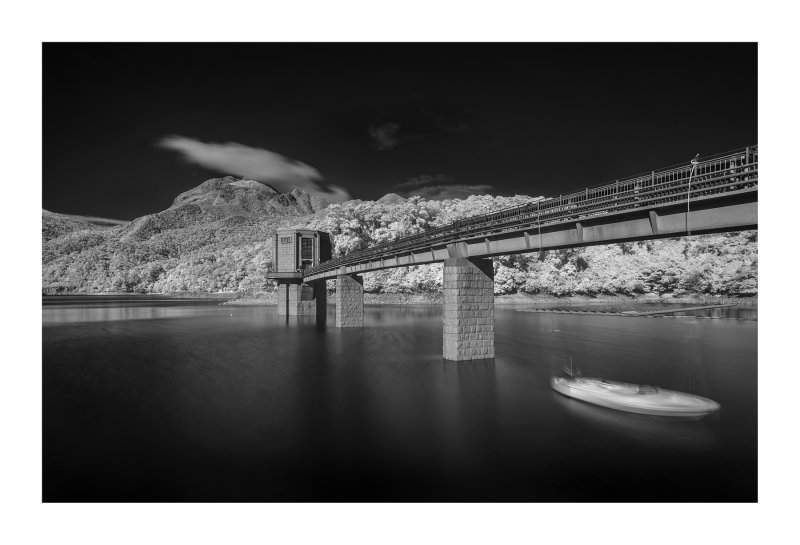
<point x="294" y="251"/>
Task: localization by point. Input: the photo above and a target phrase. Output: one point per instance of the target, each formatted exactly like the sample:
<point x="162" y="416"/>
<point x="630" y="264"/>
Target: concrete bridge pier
<point x="468" y="287"/>
<point x="302" y="299"/>
<point x="349" y="300"/>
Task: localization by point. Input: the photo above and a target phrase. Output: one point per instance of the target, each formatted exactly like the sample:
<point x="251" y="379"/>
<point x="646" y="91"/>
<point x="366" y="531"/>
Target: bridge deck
<point x="717" y="194"/>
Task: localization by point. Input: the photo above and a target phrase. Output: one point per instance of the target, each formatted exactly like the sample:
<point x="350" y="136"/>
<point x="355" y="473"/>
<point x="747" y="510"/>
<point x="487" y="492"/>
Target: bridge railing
<point x="718" y="174"/>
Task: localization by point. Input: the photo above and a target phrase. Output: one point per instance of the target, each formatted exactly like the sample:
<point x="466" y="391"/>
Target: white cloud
<point x="384" y="136"/>
<point x="454" y="191"/>
<point x="282" y="173"/>
<point x="440" y="187"/>
<point x="425" y="180"/>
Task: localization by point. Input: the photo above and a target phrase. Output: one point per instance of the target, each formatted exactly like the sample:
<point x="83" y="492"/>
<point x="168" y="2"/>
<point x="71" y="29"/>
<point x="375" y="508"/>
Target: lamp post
<point x="689" y="191"/>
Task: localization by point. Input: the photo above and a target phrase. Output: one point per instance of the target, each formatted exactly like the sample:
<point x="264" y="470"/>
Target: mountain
<point x="226" y="196"/>
<point x="223" y="201"/>
<point x="392" y="198"/>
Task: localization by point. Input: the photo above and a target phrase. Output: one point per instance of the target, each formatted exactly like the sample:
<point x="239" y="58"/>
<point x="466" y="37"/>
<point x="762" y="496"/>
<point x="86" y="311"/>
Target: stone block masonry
<point x="349" y="300"/>
<point x="468" y="294"/>
<point x="295" y="299"/>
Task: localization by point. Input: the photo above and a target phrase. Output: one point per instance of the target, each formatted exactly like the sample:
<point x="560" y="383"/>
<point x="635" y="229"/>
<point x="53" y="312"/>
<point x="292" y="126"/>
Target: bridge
<point x="716" y="194"/>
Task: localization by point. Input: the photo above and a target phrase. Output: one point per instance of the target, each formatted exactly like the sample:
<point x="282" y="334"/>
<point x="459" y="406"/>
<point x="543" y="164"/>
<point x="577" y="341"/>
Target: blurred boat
<point x="633" y="397"/>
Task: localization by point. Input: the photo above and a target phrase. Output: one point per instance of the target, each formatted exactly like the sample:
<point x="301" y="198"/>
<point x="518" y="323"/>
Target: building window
<point x="307" y="249"/>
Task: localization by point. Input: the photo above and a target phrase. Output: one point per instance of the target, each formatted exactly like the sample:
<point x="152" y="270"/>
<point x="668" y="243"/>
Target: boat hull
<point x="635" y="399"/>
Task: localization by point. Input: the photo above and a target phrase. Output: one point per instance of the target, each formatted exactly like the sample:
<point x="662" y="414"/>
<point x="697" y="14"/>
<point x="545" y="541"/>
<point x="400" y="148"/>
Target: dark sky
<point x="536" y="119"/>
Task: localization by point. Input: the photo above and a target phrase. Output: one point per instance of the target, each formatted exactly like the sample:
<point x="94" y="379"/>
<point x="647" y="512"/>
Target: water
<point x="181" y="400"/>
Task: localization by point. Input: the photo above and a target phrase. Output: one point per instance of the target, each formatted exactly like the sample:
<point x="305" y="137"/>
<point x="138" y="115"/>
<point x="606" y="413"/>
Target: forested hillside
<point x="218" y="238"/>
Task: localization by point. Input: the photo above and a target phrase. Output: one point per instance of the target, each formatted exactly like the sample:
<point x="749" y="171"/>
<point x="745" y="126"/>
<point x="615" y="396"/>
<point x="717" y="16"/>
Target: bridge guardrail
<point x="718" y="174"/>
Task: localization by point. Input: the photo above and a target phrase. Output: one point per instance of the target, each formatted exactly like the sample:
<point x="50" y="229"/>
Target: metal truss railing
<point x="731" y="171"/>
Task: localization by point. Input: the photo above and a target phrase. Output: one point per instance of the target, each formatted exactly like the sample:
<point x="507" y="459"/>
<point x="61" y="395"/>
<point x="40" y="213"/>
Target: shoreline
<point x="436" y="298"/>
<point x="525" y="299"/>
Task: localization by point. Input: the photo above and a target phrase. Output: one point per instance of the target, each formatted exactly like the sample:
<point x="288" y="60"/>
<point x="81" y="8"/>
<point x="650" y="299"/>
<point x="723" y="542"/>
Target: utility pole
<point x="689" y="191"/>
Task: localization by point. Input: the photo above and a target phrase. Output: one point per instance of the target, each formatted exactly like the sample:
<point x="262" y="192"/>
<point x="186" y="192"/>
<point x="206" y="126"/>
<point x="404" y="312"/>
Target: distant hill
<point x="103" y="222"/>
<point x="217" y="237"/>
<point x="54" y="224"/>
<point x="392" y="198"/>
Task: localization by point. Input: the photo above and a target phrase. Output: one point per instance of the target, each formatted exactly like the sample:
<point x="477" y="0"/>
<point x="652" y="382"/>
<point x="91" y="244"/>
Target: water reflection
<point x="75" y="314"/>
<point x="730" y="313"/>
<point x="223" y="403"/>
<point x="648" y="431"/>
<point x="380" y="313"/>
<point x="469" y="412"/>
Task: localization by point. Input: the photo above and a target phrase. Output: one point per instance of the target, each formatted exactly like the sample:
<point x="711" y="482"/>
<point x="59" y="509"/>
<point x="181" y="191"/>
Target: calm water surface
<point x="158" y="399"/>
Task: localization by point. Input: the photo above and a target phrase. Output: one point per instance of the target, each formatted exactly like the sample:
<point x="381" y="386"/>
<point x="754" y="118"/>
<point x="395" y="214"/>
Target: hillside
<point x="217" y="237"/>
<point x="55" y="225"/>
<point x="212" y="238"/>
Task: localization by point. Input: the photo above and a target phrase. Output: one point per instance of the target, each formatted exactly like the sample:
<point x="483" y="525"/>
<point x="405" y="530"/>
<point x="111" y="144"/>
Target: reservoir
<point x="150" y="398"/>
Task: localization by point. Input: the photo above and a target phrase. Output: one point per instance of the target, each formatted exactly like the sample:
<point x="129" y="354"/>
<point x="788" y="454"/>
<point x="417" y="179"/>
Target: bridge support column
<point x="349" y="300"/>
<point x="302" y="299"/>
<point x="468" y="287"/>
